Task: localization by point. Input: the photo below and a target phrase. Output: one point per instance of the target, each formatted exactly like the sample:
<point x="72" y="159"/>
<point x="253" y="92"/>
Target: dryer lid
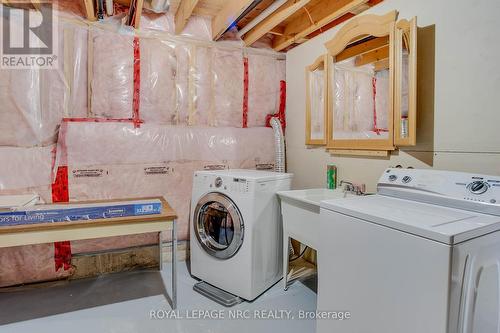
<point x="442" y="224"/>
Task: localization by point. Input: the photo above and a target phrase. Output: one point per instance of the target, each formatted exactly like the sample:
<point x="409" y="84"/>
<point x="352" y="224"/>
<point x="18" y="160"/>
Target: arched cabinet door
<point x="316" y="102"/>
<point x="366" y="111"/>
<point x="405" y="83"/>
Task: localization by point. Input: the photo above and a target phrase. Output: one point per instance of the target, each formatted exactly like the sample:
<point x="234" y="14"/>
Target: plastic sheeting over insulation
<point x="191" y="105"/>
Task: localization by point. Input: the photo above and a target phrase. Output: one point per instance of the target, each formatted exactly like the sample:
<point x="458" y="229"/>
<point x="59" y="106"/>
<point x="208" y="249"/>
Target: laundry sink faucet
<point x="349" y="187"/>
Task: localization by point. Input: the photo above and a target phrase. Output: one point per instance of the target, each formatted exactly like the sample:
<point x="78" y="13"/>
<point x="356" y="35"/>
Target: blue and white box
<point x="76" y="212"/>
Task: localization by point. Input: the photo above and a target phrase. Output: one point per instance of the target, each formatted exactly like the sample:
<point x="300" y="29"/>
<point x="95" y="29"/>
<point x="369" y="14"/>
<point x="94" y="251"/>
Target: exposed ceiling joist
<point x="381" y="65"/>
<point x="362" y="48"/>
<point x="88" y="6"/>
<point x="227" y="16"/>
<point x="372" y="56"/>
<point x="183" y="14"/>
<point x="138" y="13"/>
<point x="276" y="31"/>
<point x="273" y="20"/>
<point x="314" y="18"/>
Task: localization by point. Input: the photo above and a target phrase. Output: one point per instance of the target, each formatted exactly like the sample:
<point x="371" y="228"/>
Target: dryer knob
<point x="218" y="182"/>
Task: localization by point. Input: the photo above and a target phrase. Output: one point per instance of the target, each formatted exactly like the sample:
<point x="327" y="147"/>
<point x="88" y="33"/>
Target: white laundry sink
<point x="311" y="198"/>
<point x="300" y="211"/>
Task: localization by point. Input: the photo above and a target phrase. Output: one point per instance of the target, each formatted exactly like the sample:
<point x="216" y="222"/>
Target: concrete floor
<point x="124" y="302"/>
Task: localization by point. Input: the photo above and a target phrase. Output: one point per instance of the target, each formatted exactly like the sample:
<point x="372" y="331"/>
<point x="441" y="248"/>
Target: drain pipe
<point x="279" y="144"/>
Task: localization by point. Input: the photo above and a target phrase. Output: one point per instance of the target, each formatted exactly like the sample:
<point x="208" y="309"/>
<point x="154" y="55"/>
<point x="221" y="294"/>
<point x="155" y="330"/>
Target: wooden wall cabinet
<point x="317" y="102"/>
<point x="371" y="84"/>
<point x="405" y="83"/>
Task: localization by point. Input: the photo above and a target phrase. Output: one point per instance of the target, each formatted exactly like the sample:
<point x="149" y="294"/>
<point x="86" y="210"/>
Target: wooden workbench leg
<point x="174" y="265"/>
<point x="286" y="251"/>
<point x="160" y="251"/>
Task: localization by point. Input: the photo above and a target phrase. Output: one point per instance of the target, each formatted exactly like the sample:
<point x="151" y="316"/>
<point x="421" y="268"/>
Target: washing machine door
<point x="218" y="225"/>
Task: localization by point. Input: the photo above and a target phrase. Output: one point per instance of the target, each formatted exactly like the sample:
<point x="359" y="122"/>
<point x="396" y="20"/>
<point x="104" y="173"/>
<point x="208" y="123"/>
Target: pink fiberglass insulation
<point x="183" y="76"/>
<point x="45" y="192"/>
<point x="75" y="39"/>
<point x="90" y="143"/>
<point x="171" y="180"/>
<point x="199" y="27"/>
<point x="21" y="121"/>
<point x="25" y="167"/>
<point x="35" y="100"/>
<point x="112" y="74"/>
<point x="31" y="263"/>
<point x="204" y="99"/>
<point x="181" y="83"/>
<point x="264" y="75"/>
<point x="156" y="160"/>
<point x="158" y="70"/>
<point x="113" y="78"/>
<point x="228" y="86"/>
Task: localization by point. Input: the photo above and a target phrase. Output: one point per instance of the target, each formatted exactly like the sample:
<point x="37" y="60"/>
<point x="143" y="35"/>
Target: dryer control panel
<point x="475" y="192"/>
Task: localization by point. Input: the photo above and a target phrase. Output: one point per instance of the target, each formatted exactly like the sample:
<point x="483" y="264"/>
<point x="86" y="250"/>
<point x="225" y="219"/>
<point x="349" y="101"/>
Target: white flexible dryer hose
<point x="279" y="145"/>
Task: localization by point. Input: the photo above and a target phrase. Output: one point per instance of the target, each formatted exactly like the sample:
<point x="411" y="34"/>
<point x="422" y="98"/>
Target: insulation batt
<point x="156" y="160"/>
<point x="108" y="161"/>
<point x="25" y="167"/>
<point x="113" y="79"/>
<point x="31" y="263"/>
<point x="265" y="74"/>
<point x="228" y="81"/>
<point x="182" y="83"/>
<point x="208" y="82"/>
<point x="34" y="101"/>
<point x="90" y="143"/>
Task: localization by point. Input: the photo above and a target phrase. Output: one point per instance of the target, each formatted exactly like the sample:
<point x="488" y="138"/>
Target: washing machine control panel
<point x="482" y="190"/>
<point x="239" y="185"/>
<point x="222" y="183"/>
<point x="478" y="187"/>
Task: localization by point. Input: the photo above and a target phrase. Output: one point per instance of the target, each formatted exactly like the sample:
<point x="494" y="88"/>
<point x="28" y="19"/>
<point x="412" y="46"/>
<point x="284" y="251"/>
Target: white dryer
<point x="422" y="255"/>
<point x="236" y="230"/>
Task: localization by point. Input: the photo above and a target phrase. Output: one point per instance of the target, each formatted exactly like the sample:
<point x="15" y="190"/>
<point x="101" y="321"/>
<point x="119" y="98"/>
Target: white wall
<point x="458" y="102"/>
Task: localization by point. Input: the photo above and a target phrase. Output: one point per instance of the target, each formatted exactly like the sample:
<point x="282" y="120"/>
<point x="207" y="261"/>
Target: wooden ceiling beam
<point x="381" y="65"/>
<point x="362" y="48"/>
<point x="138" y="13"/>
<point x="184" y="12"/>
<point x="278" y="31"/>
<point x="321" y="14"/>
<point x="273" y="20"/>
<point x="372" y="56"/>
<point x="227" y="16"/>
<point x="88" y="5"/>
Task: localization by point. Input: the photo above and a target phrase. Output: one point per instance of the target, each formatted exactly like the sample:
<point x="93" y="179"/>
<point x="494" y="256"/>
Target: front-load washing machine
<point x="236" y="231"/>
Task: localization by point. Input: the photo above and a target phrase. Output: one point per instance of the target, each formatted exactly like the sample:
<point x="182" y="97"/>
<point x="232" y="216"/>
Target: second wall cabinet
<point x="371" y="86"/>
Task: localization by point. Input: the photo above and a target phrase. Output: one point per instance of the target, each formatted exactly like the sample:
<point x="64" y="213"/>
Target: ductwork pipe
<point x="265" y="13"/>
